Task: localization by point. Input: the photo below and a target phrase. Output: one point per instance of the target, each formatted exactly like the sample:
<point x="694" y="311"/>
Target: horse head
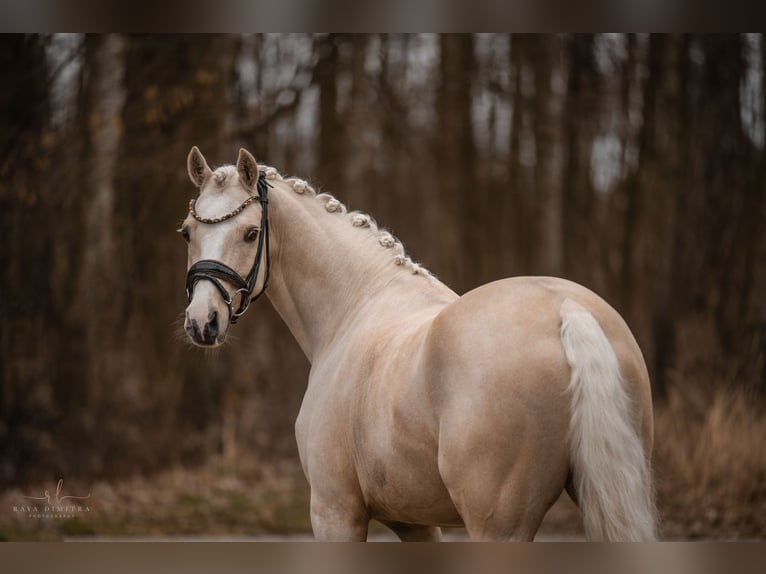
<point x="227" y="234"/>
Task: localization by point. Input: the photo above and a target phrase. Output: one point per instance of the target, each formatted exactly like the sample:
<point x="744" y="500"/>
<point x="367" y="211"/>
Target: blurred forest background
<point x="633" y="164"/>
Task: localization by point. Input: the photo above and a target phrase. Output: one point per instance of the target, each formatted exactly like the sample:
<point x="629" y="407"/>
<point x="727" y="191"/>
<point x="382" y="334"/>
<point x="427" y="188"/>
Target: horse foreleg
<point x="415" y="532"/>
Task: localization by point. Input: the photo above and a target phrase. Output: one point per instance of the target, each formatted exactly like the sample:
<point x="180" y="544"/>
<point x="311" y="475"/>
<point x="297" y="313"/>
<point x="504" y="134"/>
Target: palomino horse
<point x="425" y="408"/>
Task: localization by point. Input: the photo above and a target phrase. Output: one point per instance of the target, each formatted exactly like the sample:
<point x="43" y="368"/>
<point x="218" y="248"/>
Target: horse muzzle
<point x="206" y="322"/>
<point x="205" y="335"/>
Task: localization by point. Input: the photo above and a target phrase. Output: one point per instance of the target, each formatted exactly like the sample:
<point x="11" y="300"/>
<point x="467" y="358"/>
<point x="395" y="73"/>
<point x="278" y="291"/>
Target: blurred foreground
<point x="710" y="474"/>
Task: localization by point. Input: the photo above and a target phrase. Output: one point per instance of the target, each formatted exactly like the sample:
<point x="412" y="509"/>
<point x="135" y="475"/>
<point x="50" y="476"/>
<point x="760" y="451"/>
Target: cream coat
<point x="426" y="409"/>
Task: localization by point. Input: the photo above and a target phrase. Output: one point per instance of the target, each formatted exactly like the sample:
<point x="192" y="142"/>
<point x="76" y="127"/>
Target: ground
<point x="710" y="476"/>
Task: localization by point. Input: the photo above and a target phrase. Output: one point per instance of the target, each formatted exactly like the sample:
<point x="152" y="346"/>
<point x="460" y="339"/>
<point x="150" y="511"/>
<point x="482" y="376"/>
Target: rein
<point x="214" y="271"/>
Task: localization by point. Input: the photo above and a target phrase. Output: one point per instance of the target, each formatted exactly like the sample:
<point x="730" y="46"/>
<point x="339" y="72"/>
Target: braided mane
<point x="356" y="218"/>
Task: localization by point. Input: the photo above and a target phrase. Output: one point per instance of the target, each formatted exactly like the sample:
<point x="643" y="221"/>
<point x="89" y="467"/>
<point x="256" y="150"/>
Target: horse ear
<point x="198" y="169"/>
<point x="247" y="168"/>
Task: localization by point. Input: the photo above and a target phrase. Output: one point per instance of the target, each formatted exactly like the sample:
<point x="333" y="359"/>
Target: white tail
<point x="611" y="471"/>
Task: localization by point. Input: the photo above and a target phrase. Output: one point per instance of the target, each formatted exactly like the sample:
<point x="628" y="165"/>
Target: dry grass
<point x="710" y="464"/>
<point x="217" y="499"/>
<point x="710" y="469"/>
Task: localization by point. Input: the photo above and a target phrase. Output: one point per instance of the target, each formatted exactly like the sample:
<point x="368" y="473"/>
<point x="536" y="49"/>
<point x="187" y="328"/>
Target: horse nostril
<point x="204" y="332"/>
<point x="193" y="329"/>
<point x="211" y="329"/>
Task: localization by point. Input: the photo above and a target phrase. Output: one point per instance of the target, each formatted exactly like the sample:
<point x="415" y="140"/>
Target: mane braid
<point x="356" y="218"/>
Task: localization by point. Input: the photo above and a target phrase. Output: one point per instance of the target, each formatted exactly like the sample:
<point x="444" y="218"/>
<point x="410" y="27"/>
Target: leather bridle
<point x="215" y="271"/>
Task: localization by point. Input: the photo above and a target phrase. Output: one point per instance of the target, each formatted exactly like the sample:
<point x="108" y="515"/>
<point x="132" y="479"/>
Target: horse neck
<point x="325" y="271"/>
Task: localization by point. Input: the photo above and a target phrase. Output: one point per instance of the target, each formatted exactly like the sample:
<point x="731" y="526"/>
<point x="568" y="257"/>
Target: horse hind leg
<point x="504" y="471"/>
<point x="415" y="532"/>
<point x="506" y="518"/>
<point x="501" y="505"/>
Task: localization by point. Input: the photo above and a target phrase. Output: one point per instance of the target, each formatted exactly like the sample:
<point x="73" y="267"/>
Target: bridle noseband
<point x="214" y="271"/>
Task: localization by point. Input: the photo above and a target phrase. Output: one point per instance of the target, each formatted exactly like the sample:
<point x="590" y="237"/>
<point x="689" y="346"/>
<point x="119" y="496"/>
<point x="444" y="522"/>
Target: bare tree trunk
<point x="578" y="218"/>
<point x="516" y="206"/>
<point x="669" y="207"/>
<point x="176" y="96"/>
<point x="360" y="120"/>
<point x="100" y="272"/>
<point x="732" y="212"/>
<point x="28" y="337"/>
<point x="725" y="66"/>
<point x="461" y="228"/>
<point x="330" y="137"/>
<point x="755" y="280"/>
<point x="633" y="204"/>
<point x="548" y="180"/>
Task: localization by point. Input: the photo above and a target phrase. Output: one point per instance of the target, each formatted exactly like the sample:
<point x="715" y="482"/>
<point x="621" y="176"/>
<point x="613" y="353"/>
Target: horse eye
<point x="251" y="234"/>
<point x="185" y="233"/>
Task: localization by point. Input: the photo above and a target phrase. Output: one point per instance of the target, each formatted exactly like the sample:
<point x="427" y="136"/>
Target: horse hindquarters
<point x="611" y="470"/>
